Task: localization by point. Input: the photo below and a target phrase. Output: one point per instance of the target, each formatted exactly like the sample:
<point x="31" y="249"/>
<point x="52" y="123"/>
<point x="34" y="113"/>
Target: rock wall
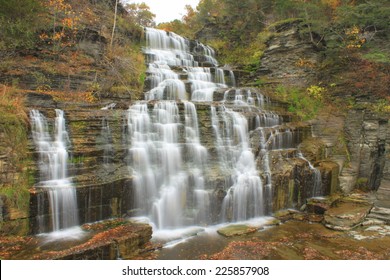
<point x="99" y="157"/>
<point x="368" y="142"/>
<point x="290" y="58"/>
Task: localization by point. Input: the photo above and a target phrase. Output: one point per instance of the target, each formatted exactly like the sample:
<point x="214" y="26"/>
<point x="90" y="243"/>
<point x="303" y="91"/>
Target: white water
<point x="165" y="50"/>
<point x="161" y="175"/>
<point x="174" y="176"/>
<point x="53" y="157"/>
<point x="317" y="178"/>
<point x="244" y="199"/>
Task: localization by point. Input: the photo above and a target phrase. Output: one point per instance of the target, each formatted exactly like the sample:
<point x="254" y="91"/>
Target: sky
<point x="166" y="10"/>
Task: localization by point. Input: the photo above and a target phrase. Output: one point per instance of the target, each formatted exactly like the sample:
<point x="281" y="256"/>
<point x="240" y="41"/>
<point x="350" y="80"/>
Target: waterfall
<point x="165" y="50"/>
<point x="173" y="173"/>
<point x="108" y="150"/>
<point x="53" y="158"/>
<point x="244" y="198"/>
<point x="317" y="178"/>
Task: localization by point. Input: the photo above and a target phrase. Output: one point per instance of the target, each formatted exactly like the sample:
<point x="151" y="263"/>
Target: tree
<point x="114" y="25"/>
<point x="141" y="14"/>
<point x="367" y="16"/>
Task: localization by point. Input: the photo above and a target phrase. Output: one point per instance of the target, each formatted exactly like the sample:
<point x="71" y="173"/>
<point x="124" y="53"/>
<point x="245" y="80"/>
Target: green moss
<point x="302" y="102"/>
<point x="377" y="56"/>
<point x="362" y="184"/>
<point x="79" y="125"/>
<point x="280" y="24"/>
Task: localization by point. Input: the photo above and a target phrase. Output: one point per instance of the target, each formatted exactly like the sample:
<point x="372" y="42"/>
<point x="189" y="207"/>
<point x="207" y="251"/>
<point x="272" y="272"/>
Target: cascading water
<point x="53" y="160"/>
<point x="244" y="198"/>
<point x="317" y="178"/>
<point x="167" y="158"/>
<point x="162" y="177"/>
<point x="175" y="167"/>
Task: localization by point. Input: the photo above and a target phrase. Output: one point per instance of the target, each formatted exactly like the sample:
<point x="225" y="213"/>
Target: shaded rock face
<point x="290" y="57"/>
<point x="368" y="143"/>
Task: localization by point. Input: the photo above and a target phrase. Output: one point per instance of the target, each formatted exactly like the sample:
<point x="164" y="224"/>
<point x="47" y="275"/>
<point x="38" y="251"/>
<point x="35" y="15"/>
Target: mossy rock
<point x="236" y="230"/>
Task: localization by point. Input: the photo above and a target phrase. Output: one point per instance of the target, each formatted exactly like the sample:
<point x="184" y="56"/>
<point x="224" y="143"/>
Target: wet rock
<point x="124" y="241"/>
<point x="236" y="230"/>
<point x="372" y="222"/>
<point x="313" y="218"/>
<point x="380" y="213"/>
<point x="382" y="230"/>
<point x="318" y="205"/>
<point x="346" y="215"/>
<point x="329" y="173"/>
<point x="273" y="222"/>
<point x="285" y="215"/>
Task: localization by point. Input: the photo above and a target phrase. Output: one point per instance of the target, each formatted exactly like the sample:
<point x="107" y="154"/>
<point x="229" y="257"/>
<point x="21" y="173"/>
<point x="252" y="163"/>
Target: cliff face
<point x="290" y="57"/>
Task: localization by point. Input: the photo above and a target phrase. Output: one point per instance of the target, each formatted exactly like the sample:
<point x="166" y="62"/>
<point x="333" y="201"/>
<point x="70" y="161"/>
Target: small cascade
<point x="220" y="76"/>
<point x="232" y="79"/>
<point x="244" y="198"/>
<point x="279" y="140"/>
<point x="317" y="178"/>
<point x="167" y="49"/>
<point x="196" y="159"/>
<point x="205" y="54"/>
<point x="106" y="136"/>
<point x="165" y="83"/>
<point x="268" y="119"/>
<point x="202" y="84"/>
<point x="264" y="155"/>
<point x="53" y="160"/>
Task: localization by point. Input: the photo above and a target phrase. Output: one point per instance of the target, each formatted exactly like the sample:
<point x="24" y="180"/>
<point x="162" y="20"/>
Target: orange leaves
<point x="65" y="25"/>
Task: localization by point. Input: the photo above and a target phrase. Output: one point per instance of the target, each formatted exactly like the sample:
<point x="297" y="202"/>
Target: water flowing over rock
<point x="53" y="157"/>
<point x="196" y="151"/>
<point x="176" y="168"/>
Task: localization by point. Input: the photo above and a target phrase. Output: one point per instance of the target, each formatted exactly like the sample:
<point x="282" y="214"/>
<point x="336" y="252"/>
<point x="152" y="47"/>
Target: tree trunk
<point x="114" y="25"/>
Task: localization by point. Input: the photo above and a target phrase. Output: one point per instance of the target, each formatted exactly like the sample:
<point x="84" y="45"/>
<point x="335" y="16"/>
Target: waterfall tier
<point x="53" y="162"/>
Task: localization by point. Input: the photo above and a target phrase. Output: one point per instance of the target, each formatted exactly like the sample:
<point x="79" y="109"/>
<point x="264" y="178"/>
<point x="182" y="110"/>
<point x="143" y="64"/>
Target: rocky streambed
<point x="299" y="235"/>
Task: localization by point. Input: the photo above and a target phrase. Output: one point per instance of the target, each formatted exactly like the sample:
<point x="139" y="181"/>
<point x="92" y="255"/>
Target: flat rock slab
<point x="236" y="230"/>
<point x="318" y="205"/>
<point x="345" y="215"/>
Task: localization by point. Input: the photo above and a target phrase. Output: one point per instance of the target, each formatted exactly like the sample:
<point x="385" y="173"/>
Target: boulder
<point x="236" y="230"/>
<point x="346" y="215"/>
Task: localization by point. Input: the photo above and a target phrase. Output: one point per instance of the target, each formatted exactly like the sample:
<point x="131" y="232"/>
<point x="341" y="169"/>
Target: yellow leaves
<point x="354" y="38"/>
<point x="352" y="31"/>
<point x="58" y="36"/>
<point x="316" y="92"/>
<point x="43" y="36"/>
